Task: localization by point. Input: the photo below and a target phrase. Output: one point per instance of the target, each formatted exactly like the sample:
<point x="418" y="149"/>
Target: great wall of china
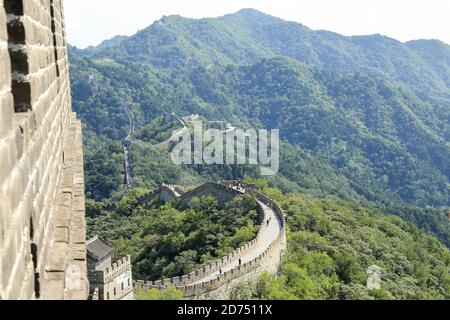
<point x="263" y="254"/>
<point x="108" y="279"/>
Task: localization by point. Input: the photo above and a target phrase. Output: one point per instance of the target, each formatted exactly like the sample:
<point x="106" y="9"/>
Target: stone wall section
<point x="219" y="191"/>
<point x="199" y="274"/>
<point x="42" y="228"/>
<point x="165" y="193"/>
<point x="66" y="270"/>
<point x="221" y="287"/>
<point x="115" y="283"/>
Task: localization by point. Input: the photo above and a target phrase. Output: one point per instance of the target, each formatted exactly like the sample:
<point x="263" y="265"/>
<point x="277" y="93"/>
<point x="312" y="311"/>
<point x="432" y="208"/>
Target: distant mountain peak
<point x="250" y="12"/>
<point x="112" y="42"/>
<point x="172" y="17"/>
<point x="253" y="14"/>
<point x="428" y="42"/>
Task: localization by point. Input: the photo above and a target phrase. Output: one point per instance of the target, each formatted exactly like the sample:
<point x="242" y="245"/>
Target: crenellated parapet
<point x="219" y="191"/>
<point x="113" y="281"/>
<point x="120" y="266"/>
<point x="165" y="193"/>
<point x="117" y="268"/>
<point x="271" y="256"/>
<point x="251" y="258"/>
<point x="200" y="273"/>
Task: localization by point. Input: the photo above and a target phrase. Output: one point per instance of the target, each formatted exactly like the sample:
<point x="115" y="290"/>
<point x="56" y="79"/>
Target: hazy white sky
<point x="89" y="22"/>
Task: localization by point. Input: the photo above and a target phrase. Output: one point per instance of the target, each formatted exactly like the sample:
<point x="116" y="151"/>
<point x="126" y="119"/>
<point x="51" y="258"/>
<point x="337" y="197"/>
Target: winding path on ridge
<point x="126" y="144"/>
<point x="128" y="140"/>
<point x="267" y="235"/>
<point x="184" y="129"/>
<point x="176" y="133"/>
<point x="264" y="253"/>
<point x="272" y="228"/>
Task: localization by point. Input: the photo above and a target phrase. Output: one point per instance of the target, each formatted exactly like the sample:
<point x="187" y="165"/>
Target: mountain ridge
<point x="249" y="35"/>
<point x="250" y="12"/>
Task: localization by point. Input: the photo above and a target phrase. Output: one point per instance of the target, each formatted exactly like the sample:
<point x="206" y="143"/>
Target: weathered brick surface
<point x="42" y="226"/>
<point x="6" y="118"/>
<point x="6" y="102"/>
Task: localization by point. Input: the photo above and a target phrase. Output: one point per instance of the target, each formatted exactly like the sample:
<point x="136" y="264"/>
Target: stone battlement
<point x="120" y="266"/>
<point x="198" y="274"/>
<point x="166" y="193"/>
<point x="268" y="260"/>
<point x="222" y="193"/>
<point x="113" y="283"/>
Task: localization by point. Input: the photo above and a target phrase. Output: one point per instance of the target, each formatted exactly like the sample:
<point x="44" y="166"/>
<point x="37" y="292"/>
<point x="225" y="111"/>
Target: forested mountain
<point x="362" y="118"/>
<point x="248" y="36"/>
<point x="331" y="244"/>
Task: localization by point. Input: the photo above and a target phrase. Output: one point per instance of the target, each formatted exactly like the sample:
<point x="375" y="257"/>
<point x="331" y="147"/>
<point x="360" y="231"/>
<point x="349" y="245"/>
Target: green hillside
<point x="333" y="244"/>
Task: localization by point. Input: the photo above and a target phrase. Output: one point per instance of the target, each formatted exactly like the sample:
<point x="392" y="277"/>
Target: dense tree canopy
<point x="333" y="243"/>
<point x="173" y="239"/>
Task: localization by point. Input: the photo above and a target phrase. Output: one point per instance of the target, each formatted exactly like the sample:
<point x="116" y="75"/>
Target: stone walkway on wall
<point x="268" y="234"/>
<point x="245" y="264"/>
<point x="126" y="145"/>
<point x="65" y="276"/>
